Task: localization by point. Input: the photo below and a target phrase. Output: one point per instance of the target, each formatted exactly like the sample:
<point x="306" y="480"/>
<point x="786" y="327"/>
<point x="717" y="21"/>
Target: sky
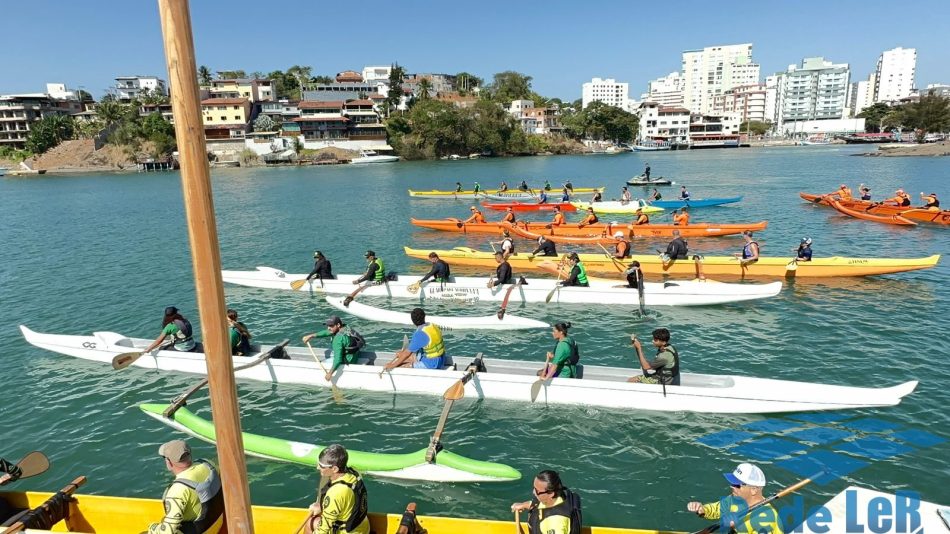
<point x="560" y="44"/>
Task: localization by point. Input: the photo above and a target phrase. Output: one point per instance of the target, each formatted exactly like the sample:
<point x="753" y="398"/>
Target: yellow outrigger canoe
<point x="125" y="515"/>
<point x="711" y="265"/>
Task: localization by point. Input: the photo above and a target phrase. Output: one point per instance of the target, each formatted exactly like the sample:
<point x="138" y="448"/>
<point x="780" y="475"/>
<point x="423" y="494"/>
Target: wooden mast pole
<point x="206" y="259"/>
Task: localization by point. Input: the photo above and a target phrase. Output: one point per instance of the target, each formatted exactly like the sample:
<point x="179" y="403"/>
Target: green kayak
<point x="448" y="467"/>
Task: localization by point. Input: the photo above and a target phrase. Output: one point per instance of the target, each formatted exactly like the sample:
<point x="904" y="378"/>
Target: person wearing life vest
<point x="865" y="192"/>
<point x="322" y="268"/>
<point x="646" y="172"/>
<point x="642" y="218"/>
<point x="503" y="187"/>
<point x="681" y="217"/>
<point x="523" y="186"/>
<point x="542" y="197"/>
<point x="558" y="217"/>
<point x="547" y="185"/>
<point x="343" y="507"/>
<point x="598" y="197"/>
<point x="750" y="251"/>
<point x="458" y="187"/>
<point x="193" y="502"/>
<point x="554" y="509"/>
<point x="476" y="217"/>
<point x="507" y="244"/>
<point x="900" y="199"/>
<point x="578" y="275"/>
<point x="625" y="196"/>
<point x="565" y="196"/>
<point x="426" y="350"/>
<point x="931" y="202"/>
<point x="509" y="216"/>
<point x="655" y="195"/>
<point x="684" y="194"/>
<point x="590" y="219"/>
<point x="439" y="271"/>
<point x="634" y="275"/>
<point x="176" y="327"/>
<point x="622" y="248"/>
<point x="804" y="250"/>
<point x="340" y="344"/>
<point x="502" y="272"/>
<point x="477" y="189"/>
<point x="677" y="249"/>
<point x="748" y="489"/>
<point x="665" y="367"/>
<point x="238" y="334"/>
<point x="843" y="192"/>
<point x="375" y="272"/>
<point x="545" y="247"/>
<point x="569" y="186"/>
<point x="563" y="361"/>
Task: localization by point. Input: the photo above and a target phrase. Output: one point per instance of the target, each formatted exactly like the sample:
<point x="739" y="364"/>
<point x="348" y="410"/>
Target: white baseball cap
<point x="618" y="234"/>
<point x="746" y="474"/>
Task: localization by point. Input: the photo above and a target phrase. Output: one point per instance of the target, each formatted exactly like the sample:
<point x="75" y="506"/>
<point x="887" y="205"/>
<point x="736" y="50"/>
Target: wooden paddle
<point x="337" y="394"/>
<point x="408" y="524"/>
<point x="791" y="489"/>
<point x="504" y="303"/>
<point x="455" y="392"/>
<point x="182" y="399"/>
<point x="349" y="298"/>
<point x="550" y="295"/>
<point x="536" y="386"/>
<point x="616" y="262"/>
<point x="34" y="463"/>
<point x="405" y="344"/>
<point x="320" y="484"/>
<point x="121" y="361"/>
<point x="43" y="509"/>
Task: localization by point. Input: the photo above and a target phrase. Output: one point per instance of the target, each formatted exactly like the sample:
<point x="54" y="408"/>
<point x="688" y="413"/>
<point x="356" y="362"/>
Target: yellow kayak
<point x="711" y="265"/>
<point x="121" y="515"/>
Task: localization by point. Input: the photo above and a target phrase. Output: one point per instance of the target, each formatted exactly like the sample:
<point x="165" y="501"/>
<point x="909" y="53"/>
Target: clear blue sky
<point x="560" y="44"/>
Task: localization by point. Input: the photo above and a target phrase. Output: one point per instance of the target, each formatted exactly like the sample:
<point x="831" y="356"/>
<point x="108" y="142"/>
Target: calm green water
<point x="90" y="253"/>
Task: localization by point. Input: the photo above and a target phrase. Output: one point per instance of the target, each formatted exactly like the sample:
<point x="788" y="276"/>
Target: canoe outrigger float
<point x="536" y="290"/>
<point x="503" y="380"/>
<point x="510" y="194"/>
<point x="712" y="265"/>
<point x="596" y="229"/>
<point x="104" y="514"/>
<point x="895" y="220"/>
<point x="487" y="322"/>
<point x="446" y="467"/>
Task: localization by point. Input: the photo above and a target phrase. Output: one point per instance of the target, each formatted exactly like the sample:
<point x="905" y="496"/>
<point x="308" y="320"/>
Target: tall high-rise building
<point x="895" y="76"/>
<point x="815" y="91"/>
<point x="714" y="70"/>
<point x="862" y="94"/>
<point x="666" y="91"/>
<point x="608" y="91"/>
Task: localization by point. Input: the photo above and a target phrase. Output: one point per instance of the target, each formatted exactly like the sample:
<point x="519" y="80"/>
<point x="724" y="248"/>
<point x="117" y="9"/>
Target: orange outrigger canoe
<point x="861" y="214"/>
<point x="592" y="230"/>
<point x="874" y="208"/>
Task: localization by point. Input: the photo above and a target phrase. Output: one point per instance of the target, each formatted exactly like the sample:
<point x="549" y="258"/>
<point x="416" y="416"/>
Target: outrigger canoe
<point x="103" y="514"/>
<point x="487" y="322"/>
<point x="896" y="220"/>
<point x="508" y="380"/>
<point x="447" y="467"/>
<point x="529" y="206"/>
<point x="535" y="291"/>
<point x="914" y="214"/>
<point x="618" y="207"/>
<point x="484" y="193"/>
<point x="712" y="265"/>
<point x="592" y="230"/>
<point x="606" y="238"/>
<point x="695" y="203"/>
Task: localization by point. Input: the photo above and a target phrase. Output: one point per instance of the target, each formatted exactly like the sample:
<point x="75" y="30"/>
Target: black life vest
<point x="669" y="376"/>
<point x="362" y="507"/>
<point x="184" y="330"/>
<point x="570" y="507"/>
<point x="244" y="342"/>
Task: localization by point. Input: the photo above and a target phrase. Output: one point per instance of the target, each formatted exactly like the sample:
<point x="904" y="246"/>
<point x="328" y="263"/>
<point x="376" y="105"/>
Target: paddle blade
<point x="454" y="393"/>
<point x="501" y="314"/>
<point x="33" y="464"/>
<point x="792" y="266"/>
<point x="550" y="296"/>
<point x="337" y="394"/>
<point x="121" y="361"/>
<point x="297" y="284"/>
<point x="536" y="389"/>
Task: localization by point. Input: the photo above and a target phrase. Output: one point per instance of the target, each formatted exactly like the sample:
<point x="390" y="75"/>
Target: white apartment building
<point x="373" y="74"/>
<point x="771" y="99"/>
<point x="666" y="91"/>
<point x="815" y="91"/>
<point x="745" y="101"/>
<point x="608" y="91"/>
<point x="714" y="70"/>
<point x="663" y="123"/>
<point x="862" y="94"/>
<point x="896" y="70"/>
<point x="128" y="87"/>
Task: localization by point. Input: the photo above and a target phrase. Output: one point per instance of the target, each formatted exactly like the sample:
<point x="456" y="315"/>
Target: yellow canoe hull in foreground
<point x="126" y="515"/>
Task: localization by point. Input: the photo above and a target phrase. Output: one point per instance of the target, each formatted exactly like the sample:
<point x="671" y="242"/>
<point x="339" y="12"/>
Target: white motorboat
<point x="510" y="380"/>
<point x="487" y="322"/>
<point x="535" y="290"/>
<point x="369" y="156"/>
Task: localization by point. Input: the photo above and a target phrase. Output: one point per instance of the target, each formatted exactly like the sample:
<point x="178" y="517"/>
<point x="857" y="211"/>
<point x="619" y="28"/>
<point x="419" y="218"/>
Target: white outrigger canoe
<point x="484" y="322"/>
<point x="471" y="289"/>
<point x="504" y="380"/>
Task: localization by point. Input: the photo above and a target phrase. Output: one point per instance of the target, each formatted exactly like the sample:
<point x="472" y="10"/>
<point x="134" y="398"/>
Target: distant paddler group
<point x="896" y="210"/>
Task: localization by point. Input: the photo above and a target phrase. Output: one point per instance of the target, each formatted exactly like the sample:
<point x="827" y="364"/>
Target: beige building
<point x="253" y="89"/>
<point x="19" y="112"/>
<point x="225" y="118"/>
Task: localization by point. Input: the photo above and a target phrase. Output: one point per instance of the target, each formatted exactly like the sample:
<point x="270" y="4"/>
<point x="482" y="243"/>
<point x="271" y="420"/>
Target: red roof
<point x="673" y="110"/>
<point x="315" y="104"/>
<point x="321" y="119"/>
<point x="223" y="101"/>
<point x="359" y="103"/>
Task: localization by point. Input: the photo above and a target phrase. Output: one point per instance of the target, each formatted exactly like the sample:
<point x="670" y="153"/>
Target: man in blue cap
<point x="748" y="484"/>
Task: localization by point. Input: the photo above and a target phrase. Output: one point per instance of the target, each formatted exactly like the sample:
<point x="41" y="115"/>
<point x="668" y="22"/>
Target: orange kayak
<point x="592" y="230"/>
<point x="569" y="239"/>
<point x="861" y="214"/>
<point x="874" y="208"/>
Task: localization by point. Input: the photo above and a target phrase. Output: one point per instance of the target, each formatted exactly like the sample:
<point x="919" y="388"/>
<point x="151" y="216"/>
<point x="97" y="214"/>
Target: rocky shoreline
<point x="896" y="150"/>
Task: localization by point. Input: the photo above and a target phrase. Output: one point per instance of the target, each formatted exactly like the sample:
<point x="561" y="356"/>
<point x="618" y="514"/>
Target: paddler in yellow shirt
<point x="554" y="508"/>
<point x="342" y="507"/>
<point x="748" y="484"/>
<point x="193" y="502"/>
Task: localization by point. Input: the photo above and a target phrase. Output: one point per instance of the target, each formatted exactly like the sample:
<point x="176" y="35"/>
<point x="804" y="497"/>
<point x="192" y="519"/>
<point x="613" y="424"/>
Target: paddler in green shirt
<point x="338" y="344"/>
<point x="563" y="361"/>
<point x="748" y="485"/>
<point x="665" y="367"/>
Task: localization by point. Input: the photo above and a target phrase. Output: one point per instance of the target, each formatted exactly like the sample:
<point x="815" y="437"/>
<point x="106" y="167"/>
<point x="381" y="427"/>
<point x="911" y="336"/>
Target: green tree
<point x="231" y="74"/>
<point x="600" y="121"/>
<point x="873" y="115"/>
<point x="204" y="75"/>
<point x="465" y="82"/>
<point x="322" y="79"/>
<point x="755" y="127"/>
<point x="49" y="132"/>
<point x="930" y="114"/>
<point x="510" y="85"/>
<point x="396" y="75"/>
<point x="423" y="89"/>
<point x="264" y="123"/>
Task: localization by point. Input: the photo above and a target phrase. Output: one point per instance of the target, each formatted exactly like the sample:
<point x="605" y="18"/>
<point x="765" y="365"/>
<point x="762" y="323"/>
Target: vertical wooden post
<point x="206" y="259"/>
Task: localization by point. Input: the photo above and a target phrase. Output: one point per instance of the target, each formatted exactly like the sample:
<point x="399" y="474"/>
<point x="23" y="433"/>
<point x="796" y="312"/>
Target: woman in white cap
<point x="748" y="484"/>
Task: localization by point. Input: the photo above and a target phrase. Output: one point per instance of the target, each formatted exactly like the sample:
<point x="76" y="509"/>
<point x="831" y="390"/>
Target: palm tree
<point x="424" y="87"/>
<point x="204" y="75"/>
